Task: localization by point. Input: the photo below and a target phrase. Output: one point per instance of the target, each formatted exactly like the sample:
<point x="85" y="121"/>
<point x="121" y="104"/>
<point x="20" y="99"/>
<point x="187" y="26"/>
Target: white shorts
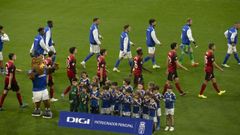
<point x="126" y="114"/>
<point x="112" y="108"/>
<point x="127" y="55"/>
<point x="151" y="50"/>
<point x="40" y="95"/>
<point x="105" y="110"/>
<point x="52" y="48"/>
<point x="231" y="49"/>
<point x="136" y="115"/>
<point x="169" y="111"/>
<point x="146" y="116"/>
<point x="94" y="48"/>
<point x="159" y="113"/>
<point x="1" y="56"/>
<point x="153" y="118"/>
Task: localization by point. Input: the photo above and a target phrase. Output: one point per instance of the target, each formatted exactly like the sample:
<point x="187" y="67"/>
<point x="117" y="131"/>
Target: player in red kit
<point x="137" y="67"/>
<point x="51" y="68"/>
<point x="71" y="68"/>
<point x="172" y="64"/>
<point x="11" y="82"/>
<point x="209" y="64"/>
<point x="101" y="67"/>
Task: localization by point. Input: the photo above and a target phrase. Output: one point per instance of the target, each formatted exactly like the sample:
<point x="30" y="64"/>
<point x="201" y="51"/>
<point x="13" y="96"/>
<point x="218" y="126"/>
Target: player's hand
<point x="19" y="70"/>
<point x="221" y="69"/>
<point x="186" y="69"/>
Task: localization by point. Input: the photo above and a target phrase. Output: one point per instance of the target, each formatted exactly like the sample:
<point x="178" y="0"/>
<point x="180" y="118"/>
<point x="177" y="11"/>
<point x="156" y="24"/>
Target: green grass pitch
<point x="217" y="115"/>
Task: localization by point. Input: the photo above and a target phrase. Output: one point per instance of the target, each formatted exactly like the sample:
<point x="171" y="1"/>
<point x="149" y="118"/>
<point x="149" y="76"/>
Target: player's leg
<point x="191" y="56"/>
<point x="158" y="118"/>
<point x="2" y="98"/>
<point x="215" y="86"/>
<point x="37" y="101"/>
<point x="91" y="53"/>
<point x="183" y="52"/>
<point x="1" y="63"/>
<point x="45" y="97"/>
<point x="171" y="117"/>
<point x="68" y="88"/>
<point x="167" y="121"/>
<point x="176" y="80"/>
<point x="229" y="52"/>
<point x="52" y="48"/>
<point x="115" y="69"/>
<point x="150" y="53"/>
<point x="51" y="89"/>
<point x="208" y="77"/>
<point x="19" y="97"/>
<point x="236" y="54"/>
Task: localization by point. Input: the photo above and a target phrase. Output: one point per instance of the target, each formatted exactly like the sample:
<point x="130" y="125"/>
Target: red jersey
<point x="71" y="66"/>
<point x="172" y="59"/>
<point x="209" y="60"/>
<point x="137" y="69"/>
<point x="10" y="68"/>
<point x="101" y="63"/>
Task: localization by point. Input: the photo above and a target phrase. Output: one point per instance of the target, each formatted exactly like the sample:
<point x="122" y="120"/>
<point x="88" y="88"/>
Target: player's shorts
<point x="169" y="111"/>
<point x="1" y="56"/>
<point x="40" y="95"/>
<point x="52" y="48"/>
<point x="153" y="118"/>
<point x="14" y="85"/>
<point x="209" y="76"/>
<point x="185" y="48"/>
<point x="146" y="116"/>
<point x="231" y="49"/>
<point x="128" y="114"/>
<point x="151" y="50"/>
<point x="94" y="48"/>
<point x="136" y="115"/>
<point x="172" y="75"/>
<point x="105" y="110"/>
<point x="50" y="81"/>
<point x="159" y="113"/>
<point x="127" y="55"/>
<point x="138" y="79"/>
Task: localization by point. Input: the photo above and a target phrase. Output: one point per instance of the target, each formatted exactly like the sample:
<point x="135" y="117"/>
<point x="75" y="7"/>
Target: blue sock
<point x="226" y="58"/>
<point x="153" y="60"/>
<point x="158" y="121"/>
<point x="117" y="63"/>
<point x="88" y="57"/>
<point x="236" y="57"/>
<point x="146" y="59"/>
<point x="130" y="62"/>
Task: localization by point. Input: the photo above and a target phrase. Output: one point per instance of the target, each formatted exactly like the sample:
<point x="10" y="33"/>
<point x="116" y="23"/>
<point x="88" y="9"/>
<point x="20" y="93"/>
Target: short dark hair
<point x="173" y="45"/>
<point x="139" y="51"/>
<point x="151" y="21"/>
<point x="50" y="53"/>
<point x="188" y="20"/>
<point x="156" y="87"/>
<point x="74" y="80"/>
<point x="94" y="85"/>
<point x="1" y="27"/>
<point x="126" y="26"/>
<point x="210" y="45"/>
<point x="85" y="87"/>
<point x="10" y="56"/>
<point x="40" y="29"/>
<point x="95" y="19"/>
<point x="114" y="83"/>
<point x="127" y="81"/>
<point x="102" y="51"/>
<point x="72" y="49"/>
<point x="49" y="22"/>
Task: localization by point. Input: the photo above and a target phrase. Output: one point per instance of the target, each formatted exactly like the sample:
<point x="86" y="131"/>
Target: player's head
<point x="151" y="85"/>
<point x="84" y="74"/>
<point x="50" y="53"/>
<point x="103" y="52"/>
<point x="156" y="88"/>
<point x="189" y="21"/>
<point x="84" y="88"/>
<point x="126" y="81"/>
<point x="174" y="46"/>
<point x="127" y="28"/>
<point x="74" y="81"/>
<point x="114" y="85"/>
<point x="237" y="25"/>
<point x="96" y="20"/>
<point x="41" y="31"/>
<point x="140" y="86"/>
<point x="12" y="56"/>
<point x="50" y="23"/>
<point x="152" y="22"/>
<point x="105" y="87"/>
<point x="95" y="79"/>
<point x="94" y="86"/>
<point x="108" y="83"/>
<point x="73" y="50"/>
<point x="139" y="51"/>
<point x="211" y="46"/>
<point x="169" y="88"/>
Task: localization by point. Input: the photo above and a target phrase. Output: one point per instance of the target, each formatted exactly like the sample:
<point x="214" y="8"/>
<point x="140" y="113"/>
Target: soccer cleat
<point x="47" y="114"/>
<point x="202" y="96"/>
<point x="53" y="100"/>
<point x="238" y="63"/>
<point x="225" y="65"/>
<point x="156" y="66"/>
<point x="158" y="128"/>
<point x="221" y="92"/>
<point x="1" y="109"/>
<point x="166" y="128"/>
<point x="116" y="70"/>
<point x="195" y="64"/>
<point x="83" y="63"/>
<point x="37" y="113"/>
<point x="23" y="106"/>
<point x="171" y="129"/>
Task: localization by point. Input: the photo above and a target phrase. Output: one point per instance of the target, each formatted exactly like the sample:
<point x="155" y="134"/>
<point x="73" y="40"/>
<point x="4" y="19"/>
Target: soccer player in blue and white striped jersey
<point x="232" y="39"/>
<point x="125" y="48"/>
<point x="48" y="39"/>
<point x="3" y="38"/>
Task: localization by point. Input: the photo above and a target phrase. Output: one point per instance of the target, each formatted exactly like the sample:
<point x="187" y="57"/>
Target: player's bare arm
<point x="181" y="66"/>
<point x="217" y="66"/>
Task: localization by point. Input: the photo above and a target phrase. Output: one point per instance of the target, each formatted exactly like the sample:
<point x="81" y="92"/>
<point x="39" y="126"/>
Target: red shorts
<point x="14" y="85"/>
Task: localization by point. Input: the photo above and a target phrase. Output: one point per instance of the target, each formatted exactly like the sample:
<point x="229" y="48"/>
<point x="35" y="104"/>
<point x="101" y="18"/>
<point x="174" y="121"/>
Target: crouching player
<point x="169" y="98"/>
<point x="11" y="82"/>
<point x="209" y="63"/>
<point x="105" y="96"/>
<point x="74" y="96"/>
<point x="38" y="75"/>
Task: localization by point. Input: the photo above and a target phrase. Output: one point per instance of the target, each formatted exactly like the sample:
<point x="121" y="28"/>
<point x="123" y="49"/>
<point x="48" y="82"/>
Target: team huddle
<point x="100" y="95"/>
